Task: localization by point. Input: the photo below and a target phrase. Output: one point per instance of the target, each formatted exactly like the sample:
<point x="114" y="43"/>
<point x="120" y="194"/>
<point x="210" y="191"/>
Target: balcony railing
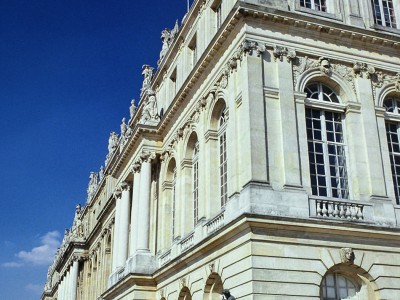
<point x="339" y="209"/>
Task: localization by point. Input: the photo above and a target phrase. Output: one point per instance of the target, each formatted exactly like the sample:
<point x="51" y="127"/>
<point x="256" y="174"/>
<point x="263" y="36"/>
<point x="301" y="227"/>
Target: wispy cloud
<point x="12" y="264"/>
<point x="35" y="288"/>
<point x="41" y="255"/>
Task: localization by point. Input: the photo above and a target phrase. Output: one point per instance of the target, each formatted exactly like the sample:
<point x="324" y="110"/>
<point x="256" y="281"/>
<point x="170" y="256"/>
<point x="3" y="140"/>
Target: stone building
<point x="263" y="157"/>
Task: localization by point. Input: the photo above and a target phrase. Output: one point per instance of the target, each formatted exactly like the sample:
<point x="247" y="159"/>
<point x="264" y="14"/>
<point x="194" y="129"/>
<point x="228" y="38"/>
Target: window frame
<point x="333" y="9"/>
<point x="324" y="107"/>
<point x="336" y="278"/>
<point x="393" y="118"/>
<point x="383" y="25"/>
<point x="223" y="158"/>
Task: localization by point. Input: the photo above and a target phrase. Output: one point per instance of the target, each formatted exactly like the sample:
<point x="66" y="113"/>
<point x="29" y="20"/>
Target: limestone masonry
<point x="263" y="158"/>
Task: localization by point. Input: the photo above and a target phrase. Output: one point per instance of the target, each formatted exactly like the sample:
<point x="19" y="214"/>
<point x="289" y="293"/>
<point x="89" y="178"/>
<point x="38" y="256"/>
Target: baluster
<point x="330" y="209"/>
<point x="324" y="209"/>
<point x="319" y="210"/>
<point x="335" y="211"/>
<point x="360" y="215"/>
<point x="348" y="212"/>
<point x="342" y="212"/>
<point x="353" y="212"/>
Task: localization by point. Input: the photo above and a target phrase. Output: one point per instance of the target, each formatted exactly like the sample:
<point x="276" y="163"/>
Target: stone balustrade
<point x="215" y="223"/>
<point x="339" y="209"/>
<point x="187" y="242"/>
<point x="165" y="258"/>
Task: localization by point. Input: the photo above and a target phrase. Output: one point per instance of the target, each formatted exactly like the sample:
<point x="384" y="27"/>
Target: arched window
<point x="195" y="170"/>
<point x="336" y="286"/>
<point x="326" y="142"/>
<point x="392" y="106"/>
<point x="223" y="163"/>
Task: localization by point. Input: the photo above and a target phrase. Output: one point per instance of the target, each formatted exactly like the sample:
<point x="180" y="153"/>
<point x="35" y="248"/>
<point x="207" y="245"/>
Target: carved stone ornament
<point x="249" y="47"/>
<point x="150" y="114"/>
<point x="325" y="67"/>
<point x="136" y="166"/>
<point x="347" y="255"/>
<point x="125" y="186"/>
<point x="182" y="282"/>
<point x="280" y="52"/>
<point x="92" y="185"/>
<point x="211" y="267"/>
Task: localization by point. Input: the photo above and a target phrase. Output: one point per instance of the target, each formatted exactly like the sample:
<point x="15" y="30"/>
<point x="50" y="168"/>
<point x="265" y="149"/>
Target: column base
<point x="141" y="263"/>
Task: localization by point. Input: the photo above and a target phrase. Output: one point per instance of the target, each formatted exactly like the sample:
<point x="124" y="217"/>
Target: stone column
<point x="60" y="291"/>
<point x="123" y="233"/>
<point x="117" y="196"/>
<point x="135" y="209"/>
<point x="144" y="205"/>
<point x="74" y="279"/>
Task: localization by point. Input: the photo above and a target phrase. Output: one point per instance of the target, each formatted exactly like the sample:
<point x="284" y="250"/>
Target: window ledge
<point x="386" y="29"/>
<point x="337" y="17"/>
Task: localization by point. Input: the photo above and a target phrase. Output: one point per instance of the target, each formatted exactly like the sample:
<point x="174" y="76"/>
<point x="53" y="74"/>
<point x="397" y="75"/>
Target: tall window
<point x="326" y="144"/>
<point x="314" y="4"/>
<point x="218" y="13"/>
<point x="392" y="106"/>
<point x="384" y="13"/>
<point x="195" y="168"/>
<point x="223" y="165"/>
<point x="173" y="208"/>
<point x="336" y="286"/>
<point x="193" y="48"/>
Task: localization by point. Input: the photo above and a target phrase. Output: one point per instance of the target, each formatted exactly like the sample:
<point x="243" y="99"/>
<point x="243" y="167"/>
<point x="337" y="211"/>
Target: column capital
<point x="135" y="168"/>
<point x="148" y="156"/>
<point x="117" y="193"/>
<point x="124" y="186"/>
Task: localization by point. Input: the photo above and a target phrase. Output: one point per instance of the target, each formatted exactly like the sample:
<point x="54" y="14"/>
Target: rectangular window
<point x="173" y="84"/>
<point x="218" y="14"/>
<point x="384" y="13"/>
<point x="193" y="48"/>
<point x="319" y="5"/>
<point x="326" y="151"/>
<point x="392" y="133"/>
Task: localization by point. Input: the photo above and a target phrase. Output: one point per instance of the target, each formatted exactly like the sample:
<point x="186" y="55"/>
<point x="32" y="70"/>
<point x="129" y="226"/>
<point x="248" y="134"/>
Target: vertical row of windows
<point x="223" y="165"/>
<point x="384" y="13"/>
<point x="326" y="146"/>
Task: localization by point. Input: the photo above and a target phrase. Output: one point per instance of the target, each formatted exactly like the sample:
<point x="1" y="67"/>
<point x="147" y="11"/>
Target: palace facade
<point x="263" y="157"/>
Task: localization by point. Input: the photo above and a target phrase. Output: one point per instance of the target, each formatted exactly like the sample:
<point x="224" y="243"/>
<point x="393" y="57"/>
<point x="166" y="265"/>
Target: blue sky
<point x="68" y="71"/>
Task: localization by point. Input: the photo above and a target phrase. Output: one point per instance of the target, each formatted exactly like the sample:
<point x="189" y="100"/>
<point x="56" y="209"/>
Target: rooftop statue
<point x="148" y="73"/>
<point x="150" y="112"/>
<point x="123" y="127"/>
<point x="167" y="38"/>
<point x="132" y="109"/>
<point x="92" y="186"/>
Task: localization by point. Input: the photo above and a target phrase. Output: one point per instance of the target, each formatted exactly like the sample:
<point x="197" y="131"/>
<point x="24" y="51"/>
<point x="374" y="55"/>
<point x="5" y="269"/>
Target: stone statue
<point x="226" y="295"/>
<point x="148" y="73"/>
<point x="123" y="127"/>
<point x="101" y="173"/>
<point x="150" y="113"/>
<point x="132" y="109"/>
<point x="167" y="38"/>
<point x="92" y="186"/>
<point x="112" y="142"/>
